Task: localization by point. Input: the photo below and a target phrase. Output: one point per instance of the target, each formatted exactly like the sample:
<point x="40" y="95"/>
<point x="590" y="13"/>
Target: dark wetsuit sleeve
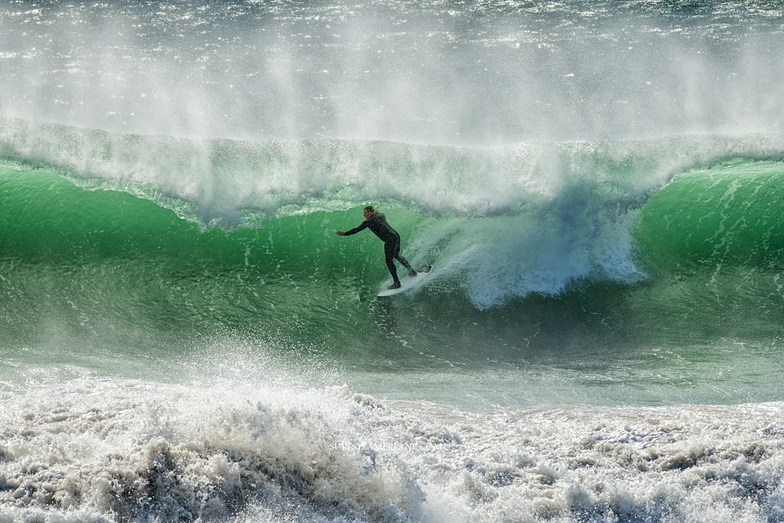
<point x="357" y="229"/>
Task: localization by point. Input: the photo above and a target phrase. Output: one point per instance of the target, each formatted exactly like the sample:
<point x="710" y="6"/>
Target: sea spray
<point x="183" y="336"/>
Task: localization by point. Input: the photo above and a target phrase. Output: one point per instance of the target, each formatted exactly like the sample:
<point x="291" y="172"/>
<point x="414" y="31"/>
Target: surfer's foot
<point x="412" y="272"/>
<point x="395" y="285"/>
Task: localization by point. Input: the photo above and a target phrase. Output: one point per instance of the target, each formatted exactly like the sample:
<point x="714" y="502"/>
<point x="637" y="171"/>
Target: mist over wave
<point x="407" y="72"/>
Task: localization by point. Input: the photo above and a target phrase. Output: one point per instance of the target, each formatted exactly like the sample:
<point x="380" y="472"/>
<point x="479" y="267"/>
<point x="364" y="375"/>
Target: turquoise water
<point x="676" y="286"/>
<point x="183" y="336"/>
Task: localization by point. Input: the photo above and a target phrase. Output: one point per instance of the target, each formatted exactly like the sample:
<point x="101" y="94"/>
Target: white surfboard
<point x="407" y="283"/>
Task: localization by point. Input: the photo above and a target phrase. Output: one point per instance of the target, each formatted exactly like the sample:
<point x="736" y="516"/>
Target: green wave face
<point x="726" y="218"/>
<point x="107" y="268"/>
<point x="713" y="241"/>
<point x="104" y="270"/>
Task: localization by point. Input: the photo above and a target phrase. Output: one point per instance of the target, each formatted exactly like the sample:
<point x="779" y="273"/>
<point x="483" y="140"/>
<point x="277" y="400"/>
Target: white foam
<point x="91" y="449"/>
<point x="224" y="182"/>
<point x="542" y="251"/>
<point x="126" y="450"/>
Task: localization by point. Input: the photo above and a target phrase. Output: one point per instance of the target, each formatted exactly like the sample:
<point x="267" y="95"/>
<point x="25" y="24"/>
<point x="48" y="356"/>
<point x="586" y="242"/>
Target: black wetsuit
<point x="378" y="224"/>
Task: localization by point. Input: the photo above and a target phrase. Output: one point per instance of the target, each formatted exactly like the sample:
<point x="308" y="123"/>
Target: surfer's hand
<point x="341" y="233"/>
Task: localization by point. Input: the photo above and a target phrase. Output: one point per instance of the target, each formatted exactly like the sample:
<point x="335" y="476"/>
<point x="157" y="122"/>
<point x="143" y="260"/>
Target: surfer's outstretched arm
<point x="355" y="230"/>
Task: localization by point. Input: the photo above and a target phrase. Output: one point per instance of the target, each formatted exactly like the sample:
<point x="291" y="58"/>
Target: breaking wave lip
<point x="230" y="183"/>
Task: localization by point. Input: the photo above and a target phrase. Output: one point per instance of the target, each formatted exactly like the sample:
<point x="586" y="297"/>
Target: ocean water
<point x="598" y="187"/>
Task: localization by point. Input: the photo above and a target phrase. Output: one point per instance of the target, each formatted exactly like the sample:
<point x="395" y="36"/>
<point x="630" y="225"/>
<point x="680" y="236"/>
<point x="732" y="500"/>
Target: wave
<point x="120" y="235"/>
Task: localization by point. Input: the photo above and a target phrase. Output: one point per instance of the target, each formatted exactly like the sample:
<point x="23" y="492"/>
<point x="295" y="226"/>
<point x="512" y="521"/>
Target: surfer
<point x="377" y="223"/>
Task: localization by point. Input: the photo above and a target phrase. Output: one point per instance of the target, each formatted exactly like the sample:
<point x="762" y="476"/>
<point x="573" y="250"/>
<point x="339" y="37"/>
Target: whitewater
<point x="597" y="186"/>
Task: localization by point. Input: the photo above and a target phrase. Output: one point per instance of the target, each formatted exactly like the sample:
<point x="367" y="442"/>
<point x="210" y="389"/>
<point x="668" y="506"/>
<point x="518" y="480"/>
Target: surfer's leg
<point x="403" y="261"/>
<point x="389" y="254"/>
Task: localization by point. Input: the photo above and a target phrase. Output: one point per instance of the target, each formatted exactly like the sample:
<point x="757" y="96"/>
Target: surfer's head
<point x="369" y="211"/>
